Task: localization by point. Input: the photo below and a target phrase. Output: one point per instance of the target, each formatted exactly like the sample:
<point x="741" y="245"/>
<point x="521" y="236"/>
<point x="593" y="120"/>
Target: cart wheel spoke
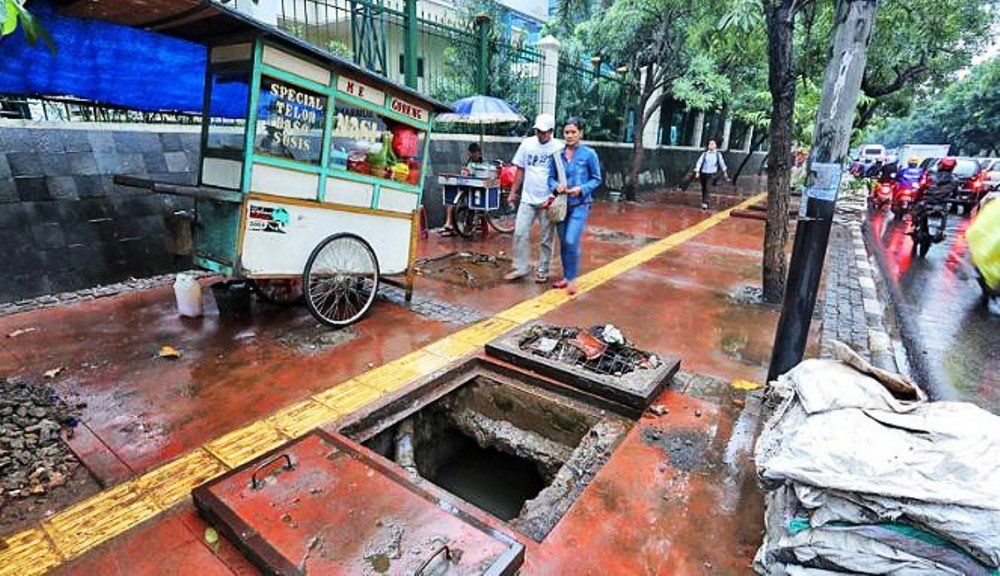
<point x="341" y="279"/>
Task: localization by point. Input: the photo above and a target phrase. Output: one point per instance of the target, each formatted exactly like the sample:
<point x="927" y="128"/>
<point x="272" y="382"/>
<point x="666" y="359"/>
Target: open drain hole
<point x="517" y="452"/>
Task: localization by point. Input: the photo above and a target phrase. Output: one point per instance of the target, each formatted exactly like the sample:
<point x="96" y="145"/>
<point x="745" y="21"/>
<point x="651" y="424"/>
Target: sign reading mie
<point x="535" y="9"/>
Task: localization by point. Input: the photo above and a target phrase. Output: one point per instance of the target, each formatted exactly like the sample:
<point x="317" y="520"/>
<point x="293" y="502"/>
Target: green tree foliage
<point x="966" y="115"/>
<point x="14" y="14"/>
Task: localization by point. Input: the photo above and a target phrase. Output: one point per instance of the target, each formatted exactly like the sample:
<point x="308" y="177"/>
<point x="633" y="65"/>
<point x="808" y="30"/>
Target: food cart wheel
<point x="465" y="221"/>
<point x="340" y="279"/>
<point x="279" y="292"/>
<point x="503" y="218"/>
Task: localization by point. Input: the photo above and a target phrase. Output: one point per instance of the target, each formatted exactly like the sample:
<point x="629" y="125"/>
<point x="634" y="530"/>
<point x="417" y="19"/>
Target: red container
<point x="405" y="141"/>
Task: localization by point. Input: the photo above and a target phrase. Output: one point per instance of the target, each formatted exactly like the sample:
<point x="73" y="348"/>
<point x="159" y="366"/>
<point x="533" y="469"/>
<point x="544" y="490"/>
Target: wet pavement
<point x="954" y="343"/>
<point x="650" y="510"/>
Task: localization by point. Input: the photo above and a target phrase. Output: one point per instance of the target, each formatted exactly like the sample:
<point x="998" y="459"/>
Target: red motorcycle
<point x="879" y="194"/>
<point x="904" y="195"/>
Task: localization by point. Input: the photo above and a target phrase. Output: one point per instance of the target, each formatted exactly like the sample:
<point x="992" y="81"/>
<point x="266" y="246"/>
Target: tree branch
<point x="902" y="77"/>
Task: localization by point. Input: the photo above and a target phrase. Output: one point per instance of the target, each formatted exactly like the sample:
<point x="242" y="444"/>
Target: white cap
<point x="545" y="122"/>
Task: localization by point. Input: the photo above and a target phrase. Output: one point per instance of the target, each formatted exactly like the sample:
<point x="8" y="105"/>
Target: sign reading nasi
<point x="360" y="90"/>
<point x="409" y="110"/>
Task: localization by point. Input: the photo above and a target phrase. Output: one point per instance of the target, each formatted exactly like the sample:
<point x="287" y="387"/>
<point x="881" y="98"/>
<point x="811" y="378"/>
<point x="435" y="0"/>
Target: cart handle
<point x="256" y="483"/>
<point x="447" y="556"/>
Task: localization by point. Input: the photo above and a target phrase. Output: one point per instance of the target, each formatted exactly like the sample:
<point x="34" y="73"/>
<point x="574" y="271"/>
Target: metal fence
<point x="605" y="101"/>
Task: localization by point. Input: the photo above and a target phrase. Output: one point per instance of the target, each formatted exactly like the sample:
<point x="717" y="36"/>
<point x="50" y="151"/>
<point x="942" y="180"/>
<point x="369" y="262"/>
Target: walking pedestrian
<point x="707" y="167"/>
<point x="581" y="176"/>
<point x="531" y="186"/>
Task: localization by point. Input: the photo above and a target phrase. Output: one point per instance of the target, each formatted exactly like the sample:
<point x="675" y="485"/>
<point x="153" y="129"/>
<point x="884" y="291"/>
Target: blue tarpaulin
<point x="112" y="64"/>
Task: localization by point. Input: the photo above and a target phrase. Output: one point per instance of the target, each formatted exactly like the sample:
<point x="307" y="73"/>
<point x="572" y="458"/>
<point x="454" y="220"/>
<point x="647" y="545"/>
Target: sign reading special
<point x="290" y="121"/>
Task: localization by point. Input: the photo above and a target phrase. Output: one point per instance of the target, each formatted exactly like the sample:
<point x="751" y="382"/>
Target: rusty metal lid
<point x="323" y="504"/>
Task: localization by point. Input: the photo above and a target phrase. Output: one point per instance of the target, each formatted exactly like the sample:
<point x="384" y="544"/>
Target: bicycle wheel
<point x="465" y="221"/>
<point x="341" y="279"/>
<point x="503" y="218"/>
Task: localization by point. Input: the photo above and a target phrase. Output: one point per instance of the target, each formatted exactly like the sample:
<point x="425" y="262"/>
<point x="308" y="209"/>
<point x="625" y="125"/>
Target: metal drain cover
<point x="622" y="374"/>
<point x="325" y="505"/>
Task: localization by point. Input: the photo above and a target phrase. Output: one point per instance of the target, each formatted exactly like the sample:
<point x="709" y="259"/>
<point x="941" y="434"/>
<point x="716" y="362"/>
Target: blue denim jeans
<point x="570" y="231"/>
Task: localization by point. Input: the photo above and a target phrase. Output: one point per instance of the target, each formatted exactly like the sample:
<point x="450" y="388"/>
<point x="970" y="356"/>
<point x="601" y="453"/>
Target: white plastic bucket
<point x="187" y="290"/>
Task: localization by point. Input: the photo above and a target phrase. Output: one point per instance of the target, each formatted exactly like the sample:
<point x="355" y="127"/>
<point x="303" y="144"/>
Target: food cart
<point x="479" y="200"/>
<point x="319" y="179"/>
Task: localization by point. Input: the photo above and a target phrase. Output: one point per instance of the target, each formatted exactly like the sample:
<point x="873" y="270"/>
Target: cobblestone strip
<point x="853" y="310"/>
<point x="429" y="307"/>
<point x="131" y="285"/>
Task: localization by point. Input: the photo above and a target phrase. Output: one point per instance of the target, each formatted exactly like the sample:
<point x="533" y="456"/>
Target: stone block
<point x="154" y="161"/>
<point x="93" y="186"/>
<point x="81" y="163"/>
<point x="48" y="235"/>
<point x="101" y="140"/>
<point x="131" y="163"/>
<point x="15" y="140"/>
<point x="172" y="142"/>
<point x="13" y="216"/>
<point x="879" y="342"/>
<point x="62" y="188"/>
<point x="31" y="189"/>
<point x="5" y="172"/>
<point x="866" y="281"/>
<point x="47" y="141"/>
<point x="132" y="142"/>
<point x="108" y="162"/>
<point x="177" y="162"/>
<point x="873" y="307"/>
<point x="76" y="141"/>
<point x="54" y="164"/>
<point x="8" y="192"/>
<point x="22" y="164"/>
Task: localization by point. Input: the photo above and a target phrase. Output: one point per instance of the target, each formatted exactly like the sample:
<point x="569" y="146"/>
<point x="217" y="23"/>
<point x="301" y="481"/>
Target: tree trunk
<point x="756" y="141"/>
<point x="832" y="135"/>
<point x="781" y="82"/>
<point x="638" y="151"/>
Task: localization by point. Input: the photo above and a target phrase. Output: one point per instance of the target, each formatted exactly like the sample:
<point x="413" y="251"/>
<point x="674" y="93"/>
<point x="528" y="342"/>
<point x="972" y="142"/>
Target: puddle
<point x="617" y="236"/>
<point x="317" y="338"/>
<point x="475" y="270"/>
<point x="518" y="452"/>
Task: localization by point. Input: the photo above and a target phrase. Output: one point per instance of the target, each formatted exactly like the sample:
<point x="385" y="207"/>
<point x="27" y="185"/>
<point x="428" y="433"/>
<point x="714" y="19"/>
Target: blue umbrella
<point x="481" y="110"/>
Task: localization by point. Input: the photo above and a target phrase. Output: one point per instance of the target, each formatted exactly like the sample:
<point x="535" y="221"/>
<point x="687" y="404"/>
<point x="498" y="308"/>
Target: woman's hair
<point x="575" y="121"/>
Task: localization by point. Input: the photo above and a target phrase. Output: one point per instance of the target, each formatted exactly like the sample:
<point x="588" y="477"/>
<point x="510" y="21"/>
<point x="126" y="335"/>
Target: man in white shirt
<point x="531" y="185"/>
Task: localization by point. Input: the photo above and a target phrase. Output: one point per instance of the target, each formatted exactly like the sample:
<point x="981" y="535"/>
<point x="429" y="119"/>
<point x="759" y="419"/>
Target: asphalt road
<point x="952" y="341"/>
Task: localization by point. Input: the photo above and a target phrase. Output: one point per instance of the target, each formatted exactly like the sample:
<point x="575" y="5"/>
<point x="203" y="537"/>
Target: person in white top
<point x="531" y="186"/>
<point x="708" y="166"/>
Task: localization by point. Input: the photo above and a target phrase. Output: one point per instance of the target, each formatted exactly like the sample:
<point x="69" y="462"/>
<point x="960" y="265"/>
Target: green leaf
<point x="9" y="22"/>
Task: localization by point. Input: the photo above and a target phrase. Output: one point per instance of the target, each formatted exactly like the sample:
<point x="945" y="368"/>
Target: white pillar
<point x="651" y="133"/>
<point x="699" y="127"/>
<point x="265" y="11"/>
<point x="550" y="71"/>
<point x="749" y="140"/>
<point x="727" y="128"/>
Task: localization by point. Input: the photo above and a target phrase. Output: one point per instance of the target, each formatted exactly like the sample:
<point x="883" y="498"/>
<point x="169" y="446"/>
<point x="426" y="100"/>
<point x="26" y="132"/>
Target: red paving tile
<point x="161" y="547"/>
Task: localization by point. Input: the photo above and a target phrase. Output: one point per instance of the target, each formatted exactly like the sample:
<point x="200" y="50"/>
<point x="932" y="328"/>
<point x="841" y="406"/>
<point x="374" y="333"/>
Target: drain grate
<point x="607" y="365"/>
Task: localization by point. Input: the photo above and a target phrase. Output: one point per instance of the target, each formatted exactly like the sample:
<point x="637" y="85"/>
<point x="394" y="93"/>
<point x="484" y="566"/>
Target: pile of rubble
<point x="600" y="349"/>
<point x="33" y="457"/>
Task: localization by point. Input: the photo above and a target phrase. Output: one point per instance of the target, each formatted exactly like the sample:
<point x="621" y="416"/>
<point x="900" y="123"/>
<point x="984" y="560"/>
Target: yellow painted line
<point x="173" y="481"/>
<point x="246" y="443"/>
<point x="116" y="510"/>
<point x="28" y="553"/>
<point x="301" y="417"/>
<point x="100" y="518"/>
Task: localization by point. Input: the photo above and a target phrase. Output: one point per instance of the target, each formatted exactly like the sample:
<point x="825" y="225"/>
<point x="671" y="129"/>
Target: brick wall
<point x="64" y="225"/>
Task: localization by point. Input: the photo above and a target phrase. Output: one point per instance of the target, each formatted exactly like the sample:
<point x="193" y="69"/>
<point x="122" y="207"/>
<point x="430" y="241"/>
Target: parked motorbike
<point x="929" y="220"/>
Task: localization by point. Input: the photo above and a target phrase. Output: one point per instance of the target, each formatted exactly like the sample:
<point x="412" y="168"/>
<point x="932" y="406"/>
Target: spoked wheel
<point x="341" y="279"/>
<point x="503" y="218"/>
<point x="279" y="292"/>
<point x="465" y="221"/>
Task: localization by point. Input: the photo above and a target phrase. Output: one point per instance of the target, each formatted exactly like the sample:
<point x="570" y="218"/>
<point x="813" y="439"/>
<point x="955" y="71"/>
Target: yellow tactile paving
<point x="105" y="515"/>
<point x="246" y="443"/>
<point x="100" y="518"/>
<point x="27" y="553"/>
<point x="172" y="482"/>
<point x="301" y="417"/>
<point x="347" y="396"/>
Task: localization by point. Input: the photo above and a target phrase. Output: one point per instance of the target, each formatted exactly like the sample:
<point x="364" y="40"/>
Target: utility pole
<point x="832" y="136"/>
<point x="483" y="60"/>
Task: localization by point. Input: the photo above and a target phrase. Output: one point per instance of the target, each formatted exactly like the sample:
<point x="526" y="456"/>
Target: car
<point x="991" y="171"/>
<point x="929" y="164"/>
<point x="971" y="186"/>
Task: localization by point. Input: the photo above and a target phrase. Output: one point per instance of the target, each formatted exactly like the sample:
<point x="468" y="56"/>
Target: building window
<point x="402" y="66"/>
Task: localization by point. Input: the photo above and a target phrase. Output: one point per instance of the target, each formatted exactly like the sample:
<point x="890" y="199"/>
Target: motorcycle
<point x="879" y="194"/>
<point x="928" y="225"/>
<point x="903" y="197"/>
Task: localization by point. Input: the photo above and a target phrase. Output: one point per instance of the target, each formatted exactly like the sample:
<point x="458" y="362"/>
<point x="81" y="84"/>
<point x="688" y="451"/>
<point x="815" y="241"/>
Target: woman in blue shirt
<point x="583" y="176"/>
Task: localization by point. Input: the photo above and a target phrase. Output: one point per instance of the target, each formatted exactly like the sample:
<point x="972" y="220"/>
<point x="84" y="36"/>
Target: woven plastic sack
<point x="984" y="243"/>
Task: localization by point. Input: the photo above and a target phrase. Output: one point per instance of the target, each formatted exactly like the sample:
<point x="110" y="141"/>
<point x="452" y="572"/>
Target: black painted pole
<point x="832" y="133"/>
